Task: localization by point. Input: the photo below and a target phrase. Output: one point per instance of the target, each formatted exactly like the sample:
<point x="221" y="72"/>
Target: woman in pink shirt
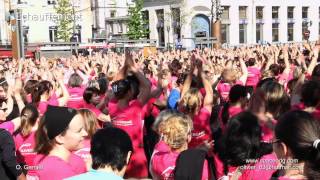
<point x="297" y="145"/>
<point x="25" y="137"/>
<point x="254" y="73"/>
<point x="44" y="95"/>
<point x="238" y="98"/>
<point x="29" y="88"/>
<point x="91" y="100"/>
<point x="75" y="90"/>
<point x="241" y="154"/>
<point x="127" y="114"/>
<point x="175" y="135"/>
<point x="197" y="108"/>
<point x="91" y="125"/>
<point x="60" y="132"/>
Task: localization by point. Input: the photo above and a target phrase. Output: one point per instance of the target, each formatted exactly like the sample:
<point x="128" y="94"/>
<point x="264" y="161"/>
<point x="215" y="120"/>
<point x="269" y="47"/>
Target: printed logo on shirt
<point x="84" y="153"/>
<point x="168" y="173"/>
<point x="198" y="134"/>
<point x="26" y="149"/>
<point x="122" y="122"/>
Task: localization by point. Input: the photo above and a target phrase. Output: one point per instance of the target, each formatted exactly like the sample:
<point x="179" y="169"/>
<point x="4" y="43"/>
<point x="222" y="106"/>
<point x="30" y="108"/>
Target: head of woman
<point x="191" y="102"/>
<point x="310" y="93"/>
<point x="241" y="141"/>
<point x="75" y="80"/>
<point x="163" y="115"/>
<point x="297" y="136"/>
<point x="229" y="76"/>
<point x="91" y="95"/>
<point x="3" y="89"/>
<point x="43" y="89"/>
<point x="176" y="131"/>
<point x="277" y="100"/>
<point x="60" y="127"/>
<point x="123" y="89"/>
<point x="90" y="121"/>
<point x="30" y="85"/>
<point x="29" y="116"/>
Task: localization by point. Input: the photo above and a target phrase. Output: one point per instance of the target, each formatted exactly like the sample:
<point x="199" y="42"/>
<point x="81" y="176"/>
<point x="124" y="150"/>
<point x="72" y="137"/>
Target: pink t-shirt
<point x="24" y="148"/>
<point x="92" y="108"/>
<point x="233" y="110"/>
<point x="163" y="163"/>
<point x="76" y="97"/>
<point x="201" y="128"/>
<point x="8" y="125"/>
<point x="84" y="152"/>
<point x="224" y="89"/>
<point x="131" y="120"/>
<point x="267" y="132"/>
<point x="253" y="76"/>
<point x="55" y="168"/>
<point x="262" y="168"/>
<point x="42" y="106"/>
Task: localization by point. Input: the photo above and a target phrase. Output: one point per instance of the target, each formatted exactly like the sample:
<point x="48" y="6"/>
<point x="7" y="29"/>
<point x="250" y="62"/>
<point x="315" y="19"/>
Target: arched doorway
<point x="200" y="27"/>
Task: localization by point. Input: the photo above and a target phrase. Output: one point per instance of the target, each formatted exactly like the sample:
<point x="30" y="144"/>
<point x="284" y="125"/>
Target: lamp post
<point x="168" y="43"/>
<point x="216" y="12"/>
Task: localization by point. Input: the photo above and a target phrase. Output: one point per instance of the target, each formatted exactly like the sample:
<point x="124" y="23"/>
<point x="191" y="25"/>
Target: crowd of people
<point x="242" y="113"/>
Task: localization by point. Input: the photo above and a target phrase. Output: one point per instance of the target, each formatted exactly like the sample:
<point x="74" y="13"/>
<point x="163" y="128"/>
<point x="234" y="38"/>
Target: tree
<point x="65" y="14"/>
<point x="137" y="23"/>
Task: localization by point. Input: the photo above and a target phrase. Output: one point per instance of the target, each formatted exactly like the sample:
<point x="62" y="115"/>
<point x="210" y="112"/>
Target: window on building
<point x="53" y="33"/>
<point x="275" y="32"/>
<point x="111" y="27"/>
<point x="290" y="31"/>
<point x="160" y="26"/>
<point x="51" y="2"/>
<point x="113" y="13"/>
<point x="242" y="33"/>
<point x="259" y="33"/>
<point x="120" y="28"/>
<point x="290" y="12"/>
<point x="243" y="12"/>
<point x="304" y="28"/>
<point x="145" y="16"/>
<point x="259" y="12"/>
<point x="176" y="23"/>
<point x="78" y="31"/>
<point x="305" y="12"/>
<point x="275" y="12"/>
<point x="225" y="33"/>
<point x="225" y="13"/>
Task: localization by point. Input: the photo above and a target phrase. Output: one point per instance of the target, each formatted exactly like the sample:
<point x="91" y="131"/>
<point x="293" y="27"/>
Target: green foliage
<point x="137" y="24"/>
<point x="65" y="20"/>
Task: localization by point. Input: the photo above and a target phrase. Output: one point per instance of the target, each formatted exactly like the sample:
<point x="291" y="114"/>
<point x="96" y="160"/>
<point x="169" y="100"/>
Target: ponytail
<point x="40" y="89"/>
<point x="29" y="116"/>
<point x="225" y="113"/>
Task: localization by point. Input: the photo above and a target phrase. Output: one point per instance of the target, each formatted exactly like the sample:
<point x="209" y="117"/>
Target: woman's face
<point x="73" y="139"/>
<point x="95" y="99"/>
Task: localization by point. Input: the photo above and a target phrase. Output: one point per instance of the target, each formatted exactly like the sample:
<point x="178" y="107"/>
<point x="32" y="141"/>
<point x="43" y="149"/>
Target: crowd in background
<point x="240" y="113"/>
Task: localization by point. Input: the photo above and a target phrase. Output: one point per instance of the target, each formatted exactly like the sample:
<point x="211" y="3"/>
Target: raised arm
<point x="188" y="80"/>
<point x="208" y="99"/>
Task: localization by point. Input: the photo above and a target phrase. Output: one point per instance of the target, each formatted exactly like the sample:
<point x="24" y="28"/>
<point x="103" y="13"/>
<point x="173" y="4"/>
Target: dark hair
<point x="29" y="116"/>
<point x="134" y="82"/>
<point x="120" y="88"/>
<point x="110" y="147"/>
<point x="30" y="85"/>
<point x="42" y="87"/>
<point x="88" y="93"/>
<point x="4" y="84"/>
<point x="275" y="69"/>
<point x="241" y="141"/>
<point x="263" y="81"/>
<point x="251" y="62"/>
<point x="277" y="100"/>
<point x="298" y="130"/>
<point x="316" y="72"/>
<point x="75" y="80"/>
<point x="310" y="93"/>
<point x="103" y="85"/>
<point x="43" y="143"/>
<point x="237" y="92"/>
<point x="181" y="78"/>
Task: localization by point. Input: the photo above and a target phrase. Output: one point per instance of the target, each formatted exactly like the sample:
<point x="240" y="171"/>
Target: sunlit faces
<point x="75" y="134"/>
<point x="95" y="99"/>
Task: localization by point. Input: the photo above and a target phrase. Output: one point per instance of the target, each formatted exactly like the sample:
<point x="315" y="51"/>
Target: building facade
<point x="40" y="21"/>
<point x="110" y="18"/>
<point x="243" y="22"/>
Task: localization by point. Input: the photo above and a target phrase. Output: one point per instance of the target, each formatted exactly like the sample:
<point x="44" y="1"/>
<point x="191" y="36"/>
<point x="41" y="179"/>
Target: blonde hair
<point x="191" y="101"/>
<point x="175" y="130"/>
<point x="90" y="121"/>
<point x="229" y="75"/>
